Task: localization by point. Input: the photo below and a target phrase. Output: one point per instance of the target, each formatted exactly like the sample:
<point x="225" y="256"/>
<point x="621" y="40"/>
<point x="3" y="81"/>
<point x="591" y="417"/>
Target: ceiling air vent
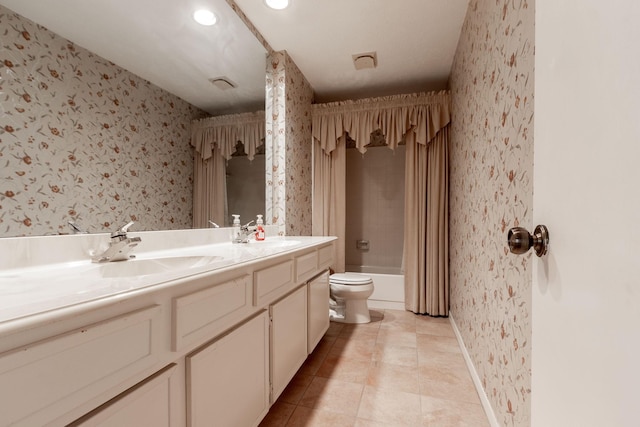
<point x="223" y="83"/>
<point x="365" y="60"/>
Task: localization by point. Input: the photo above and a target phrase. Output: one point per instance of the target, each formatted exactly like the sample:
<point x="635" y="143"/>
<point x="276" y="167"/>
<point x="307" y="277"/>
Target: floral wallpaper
<point x="299" y="97"/>
<point x="275" y="142"/>
<point x="492" y="85"/>
<point x="85" y="140"/>
<point x="288" y="146"/>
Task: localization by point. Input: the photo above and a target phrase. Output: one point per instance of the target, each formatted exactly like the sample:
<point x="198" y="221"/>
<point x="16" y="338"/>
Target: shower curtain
<point x="420" y="120"/>
<point x="214" y="140"/>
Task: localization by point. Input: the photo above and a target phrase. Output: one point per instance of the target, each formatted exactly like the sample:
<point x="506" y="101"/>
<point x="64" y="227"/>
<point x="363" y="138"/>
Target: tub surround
<point x="96" y="336"/>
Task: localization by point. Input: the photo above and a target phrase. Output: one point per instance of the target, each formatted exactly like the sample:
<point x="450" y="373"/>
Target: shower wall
<point x="375" y="209"/>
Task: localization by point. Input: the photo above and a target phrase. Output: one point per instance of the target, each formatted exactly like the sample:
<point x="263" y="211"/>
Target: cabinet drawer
<point x="49" y="378"/>
<point x="306" y="266"/>
<point x="205" y="313"/>
<point x="272" y="282"/>
<point x="325" y="256"/>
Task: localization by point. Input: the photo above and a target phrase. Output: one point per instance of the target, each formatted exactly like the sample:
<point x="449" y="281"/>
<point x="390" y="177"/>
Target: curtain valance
<point x="423" y="114"/>
<point x="223" y="132"/>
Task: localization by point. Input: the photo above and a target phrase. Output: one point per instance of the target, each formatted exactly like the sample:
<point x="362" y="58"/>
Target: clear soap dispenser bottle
<point x="235" y="233"/>
<point x="259" y="228"/>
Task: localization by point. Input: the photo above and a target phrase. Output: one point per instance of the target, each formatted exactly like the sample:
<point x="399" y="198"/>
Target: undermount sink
<point x="143" y="267"/>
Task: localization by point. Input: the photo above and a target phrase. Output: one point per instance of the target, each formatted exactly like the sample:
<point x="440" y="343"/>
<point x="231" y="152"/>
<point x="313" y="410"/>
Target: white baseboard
<point x="491" y="416"/>
<point x="382" y="305"/>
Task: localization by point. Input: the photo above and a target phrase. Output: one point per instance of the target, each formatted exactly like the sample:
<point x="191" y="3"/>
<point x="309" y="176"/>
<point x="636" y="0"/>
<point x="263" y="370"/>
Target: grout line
<point x="486" y="405"/>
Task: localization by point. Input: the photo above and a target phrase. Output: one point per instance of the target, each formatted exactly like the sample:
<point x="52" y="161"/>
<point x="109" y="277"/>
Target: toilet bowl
<point x="349" y="293"/>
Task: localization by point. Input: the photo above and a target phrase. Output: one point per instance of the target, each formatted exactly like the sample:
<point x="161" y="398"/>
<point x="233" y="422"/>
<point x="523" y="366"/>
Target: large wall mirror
<point x="96" y="104"/>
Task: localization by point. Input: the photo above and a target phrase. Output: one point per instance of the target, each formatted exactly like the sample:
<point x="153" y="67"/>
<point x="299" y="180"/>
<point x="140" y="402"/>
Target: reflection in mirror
<point x="245" y="185"/>
<point x="229" y="157"/>
<point x="85" y="140"/>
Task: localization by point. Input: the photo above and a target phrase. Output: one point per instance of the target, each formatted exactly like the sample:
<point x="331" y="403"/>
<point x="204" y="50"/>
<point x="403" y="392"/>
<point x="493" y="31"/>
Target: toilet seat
<point x="350" y="279"/>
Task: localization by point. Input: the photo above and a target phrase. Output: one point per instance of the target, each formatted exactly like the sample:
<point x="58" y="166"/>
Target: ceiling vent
<point x="223" y="83"/>
<point x="365" y="60"/>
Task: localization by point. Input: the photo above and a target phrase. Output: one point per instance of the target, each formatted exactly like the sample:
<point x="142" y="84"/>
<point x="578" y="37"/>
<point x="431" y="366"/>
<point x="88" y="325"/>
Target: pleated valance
<point x="423" y="114"/>
<point x="223" y="132"/>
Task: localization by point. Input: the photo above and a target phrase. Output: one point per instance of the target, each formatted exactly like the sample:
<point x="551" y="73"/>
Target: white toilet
<point x="349" y="293"/>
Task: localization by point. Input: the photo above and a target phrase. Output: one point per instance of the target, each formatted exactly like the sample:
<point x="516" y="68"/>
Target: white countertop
<point x="36" y="286"/>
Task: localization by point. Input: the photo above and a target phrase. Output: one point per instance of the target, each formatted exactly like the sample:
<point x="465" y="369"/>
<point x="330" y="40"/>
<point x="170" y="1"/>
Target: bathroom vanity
<point x="194" y="331"/>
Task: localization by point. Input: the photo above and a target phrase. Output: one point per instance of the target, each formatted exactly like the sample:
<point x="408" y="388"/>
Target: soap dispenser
<point x="235" y="233"/>
<point x="259" y="228"/>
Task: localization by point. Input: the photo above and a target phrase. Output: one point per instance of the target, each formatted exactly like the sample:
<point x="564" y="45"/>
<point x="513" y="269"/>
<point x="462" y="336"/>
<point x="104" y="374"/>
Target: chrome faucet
<point x="75" y="228"/>
<point x="247" y="231"/>
<point x="119" y="247"/>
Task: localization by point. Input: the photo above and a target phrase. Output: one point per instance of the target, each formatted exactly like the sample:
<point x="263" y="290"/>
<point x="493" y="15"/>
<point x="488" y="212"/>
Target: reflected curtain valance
<point x="421" y="115"/>
<point x="223" y="132"/>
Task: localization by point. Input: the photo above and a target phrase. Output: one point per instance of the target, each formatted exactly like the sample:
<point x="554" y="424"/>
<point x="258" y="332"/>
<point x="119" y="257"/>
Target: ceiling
<point x="415" y="41"/>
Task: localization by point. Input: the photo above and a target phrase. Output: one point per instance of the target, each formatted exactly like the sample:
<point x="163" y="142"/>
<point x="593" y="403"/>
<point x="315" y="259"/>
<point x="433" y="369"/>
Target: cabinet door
<point x="146" y="404"/>
<point x="228" y="379"/>
<point x="318" y="309"/>
<point x="288" y="338"/>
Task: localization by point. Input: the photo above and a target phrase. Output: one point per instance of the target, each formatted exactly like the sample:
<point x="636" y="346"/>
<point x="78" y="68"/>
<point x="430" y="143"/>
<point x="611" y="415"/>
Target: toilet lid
<point x="349" y="279"/>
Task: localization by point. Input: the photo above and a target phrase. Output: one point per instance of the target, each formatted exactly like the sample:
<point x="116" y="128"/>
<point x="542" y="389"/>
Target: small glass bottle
<point x="260" y="235"/>
<point x="235" y="233"/>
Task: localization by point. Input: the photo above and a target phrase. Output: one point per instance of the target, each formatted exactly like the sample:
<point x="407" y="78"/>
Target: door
<point x="586" y="291"/>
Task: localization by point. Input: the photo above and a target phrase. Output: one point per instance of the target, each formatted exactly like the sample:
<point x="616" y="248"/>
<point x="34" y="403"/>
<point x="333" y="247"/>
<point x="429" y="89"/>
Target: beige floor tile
<point x="376" y="315"/>
<point x="434" y="327"/>
<point x="296" y="388"/>
<point x="278" y="415"/>
<point x="392" y="338"/>
<point x="333" y="395"/>
<point x="307" y="417"/>
<point x="360" y="331"/>
<point x="396" y="355"/>
<point x="439" y="412"/>
<point x="450" y="384"/>
<point x="361" y="349"/>
<point x="442" y="359"/>
<point x="334" y="329"/>
<point x="397" y="408"/>
<point x="393" y="378"/>
<point x="312" y="364"/>
<point x="340" y="368"/>
<point x="431" y="343"/>
<point x="370" y="423"/>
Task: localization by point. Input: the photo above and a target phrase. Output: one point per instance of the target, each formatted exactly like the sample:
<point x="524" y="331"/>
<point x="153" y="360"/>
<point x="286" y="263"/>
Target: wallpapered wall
<point x="492" y="86"/>
<point x="288" y="146"/>
<point x="83" y="139"/>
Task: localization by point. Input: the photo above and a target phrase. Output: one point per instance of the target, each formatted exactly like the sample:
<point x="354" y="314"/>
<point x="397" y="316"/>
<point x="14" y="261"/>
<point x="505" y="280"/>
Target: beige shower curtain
<point x="422" y="121"/>
<point x="214" y="140"/>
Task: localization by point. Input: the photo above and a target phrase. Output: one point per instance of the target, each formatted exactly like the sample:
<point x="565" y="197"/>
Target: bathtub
<point x="388" y="286"/>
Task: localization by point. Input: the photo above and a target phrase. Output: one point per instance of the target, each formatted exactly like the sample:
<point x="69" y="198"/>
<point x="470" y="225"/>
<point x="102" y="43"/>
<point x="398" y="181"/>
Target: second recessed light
<point x="205" y="17"/>
<point x="277" y="4"/>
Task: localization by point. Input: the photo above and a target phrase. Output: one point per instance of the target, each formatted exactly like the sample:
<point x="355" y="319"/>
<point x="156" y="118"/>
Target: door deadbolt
<point x="520" y="240"/>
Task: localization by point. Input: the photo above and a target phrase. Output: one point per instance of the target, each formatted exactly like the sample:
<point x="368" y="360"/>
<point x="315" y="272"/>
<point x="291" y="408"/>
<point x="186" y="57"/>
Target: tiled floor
<point x="399" y="370"/>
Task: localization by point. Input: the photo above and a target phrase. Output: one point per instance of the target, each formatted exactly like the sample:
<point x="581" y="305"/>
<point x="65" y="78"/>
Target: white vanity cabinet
<point x="288" y="338"/>
<point x="228" y="379"/>
<point x="317" y="309"/>
<point x="146" y="404"/>
<point x="210" y="348"/>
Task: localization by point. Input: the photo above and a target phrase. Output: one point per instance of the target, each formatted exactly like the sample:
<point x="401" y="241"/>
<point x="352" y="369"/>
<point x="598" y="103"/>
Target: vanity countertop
<point x="73" y="282"/>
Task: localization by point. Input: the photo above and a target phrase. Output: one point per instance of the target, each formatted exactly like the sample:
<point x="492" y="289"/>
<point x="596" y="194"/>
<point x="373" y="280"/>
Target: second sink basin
<point x="143" y="267"/>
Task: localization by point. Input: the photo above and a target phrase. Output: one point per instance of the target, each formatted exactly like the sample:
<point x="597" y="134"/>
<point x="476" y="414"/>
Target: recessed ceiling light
<point x="277" y="4"/>
<point x="205" y="17"/>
